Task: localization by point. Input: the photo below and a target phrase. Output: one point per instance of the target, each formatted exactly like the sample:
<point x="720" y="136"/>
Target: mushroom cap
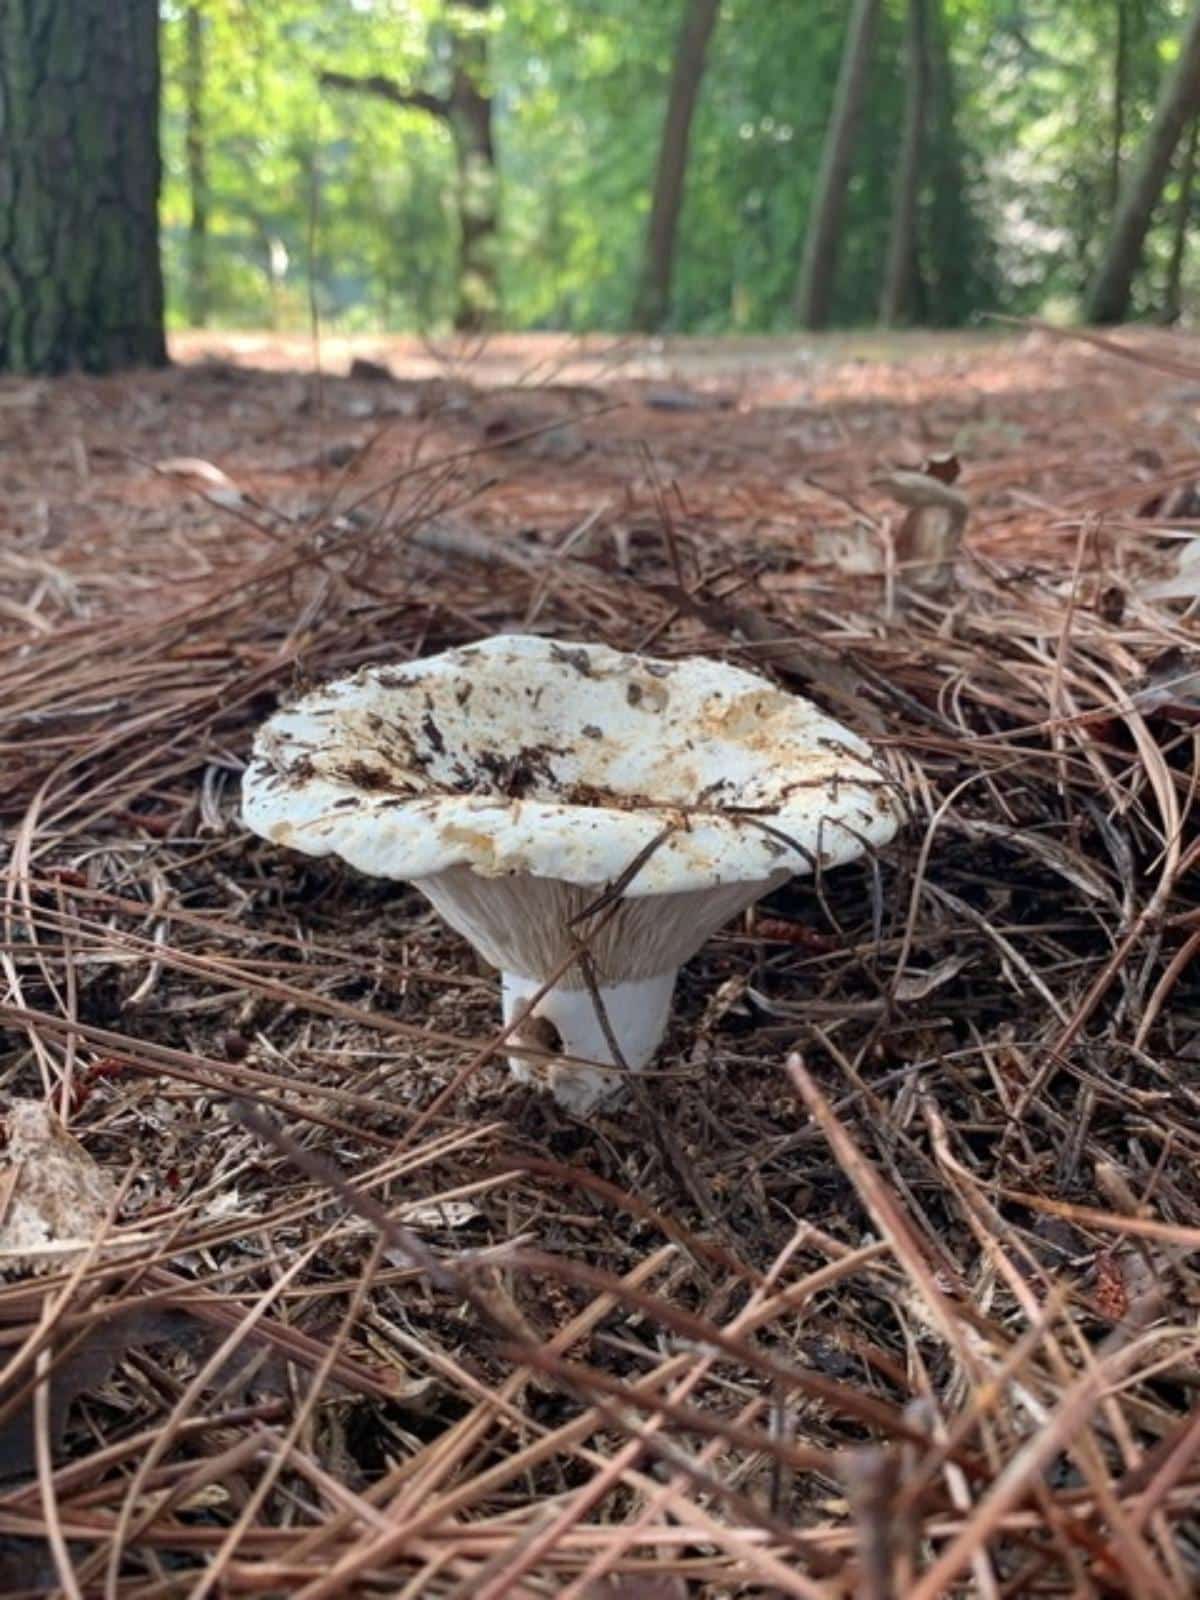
<point x="523" y="755"/>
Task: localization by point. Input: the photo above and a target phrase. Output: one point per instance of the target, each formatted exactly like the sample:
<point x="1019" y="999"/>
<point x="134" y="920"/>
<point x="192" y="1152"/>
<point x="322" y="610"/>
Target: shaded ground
<point x="924" y="1312"/>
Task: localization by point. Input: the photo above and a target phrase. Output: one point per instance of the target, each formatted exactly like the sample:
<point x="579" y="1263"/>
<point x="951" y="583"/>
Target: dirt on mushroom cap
<point x="521" y="754"/>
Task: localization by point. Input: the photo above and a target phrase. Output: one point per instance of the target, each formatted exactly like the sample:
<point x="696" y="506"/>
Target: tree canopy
<point x="349" y="204"/>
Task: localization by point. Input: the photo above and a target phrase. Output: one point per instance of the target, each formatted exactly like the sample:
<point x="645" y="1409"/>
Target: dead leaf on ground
<point x="916" y="985"/>
<point x="55" y="1196"/>
<point x="201" y="475"/>
<point x="665" y="398"/>
<point x="1068" y="864"/>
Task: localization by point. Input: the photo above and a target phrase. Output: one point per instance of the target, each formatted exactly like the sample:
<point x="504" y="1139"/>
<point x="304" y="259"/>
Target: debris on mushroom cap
<point x="53" y="1197"/>
<point x="510" y="779"/>
<point x="567" y="761"/>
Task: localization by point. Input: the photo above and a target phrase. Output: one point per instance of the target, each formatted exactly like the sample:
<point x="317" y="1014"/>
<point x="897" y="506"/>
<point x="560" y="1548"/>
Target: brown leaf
<point x="370" y="371"/>
<point x="1048" y="851"/>
<point x="83" y="1371"/>
<point x="1181" y="500"/>
<point x="916" y="985"/>
<point x="665" y="398"/>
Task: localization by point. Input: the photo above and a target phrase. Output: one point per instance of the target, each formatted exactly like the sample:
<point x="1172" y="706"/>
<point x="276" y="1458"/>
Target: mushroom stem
<point x="567" y="1024"/>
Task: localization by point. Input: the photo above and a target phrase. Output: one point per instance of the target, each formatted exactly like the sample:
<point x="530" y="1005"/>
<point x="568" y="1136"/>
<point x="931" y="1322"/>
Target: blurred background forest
<point x="708" y="167"/>
<point x="333" y="155"/>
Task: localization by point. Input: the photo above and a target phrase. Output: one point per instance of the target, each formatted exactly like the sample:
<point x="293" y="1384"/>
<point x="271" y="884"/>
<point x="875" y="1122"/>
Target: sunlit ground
<point x="578" y="358"/>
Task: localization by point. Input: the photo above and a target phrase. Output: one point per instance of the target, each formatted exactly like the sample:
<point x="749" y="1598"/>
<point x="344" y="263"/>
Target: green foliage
<point x="312" y="192"/>
<point x="347" y="203"/>
<point x="1042" y="117"/>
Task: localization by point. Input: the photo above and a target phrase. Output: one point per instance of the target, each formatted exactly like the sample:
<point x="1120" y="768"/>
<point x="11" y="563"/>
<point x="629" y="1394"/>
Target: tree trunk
<point x="470" y="114"/>
<point x="1173" y="296"/>
<point x="80" y="278"/>
<point x="467" y="111"/>
<point x="896" y="303"/>
<point x="653" y="298"/>
<point x="197" y="169"/>
<point x="957" y="261"/>
<point x="823" y="235"/>
<point x="1178" y="102"/>
<point x="1120" y="67"/>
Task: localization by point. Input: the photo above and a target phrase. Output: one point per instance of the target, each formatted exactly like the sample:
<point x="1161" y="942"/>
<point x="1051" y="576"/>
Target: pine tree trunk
<point x="1120" y="67"/>
<point x="80" y="279"/>
<point x="467" y="112"/>
<point x="653" y="299"/>
<point x="896" y="303"/>
<point x="470" y="115"/>
<point x="1173" y="296"/>
<point x="1178" y="102"/>
<point x="197" y="169"/>
<point x="953" y="258"/>
<point x="814" y="296"/>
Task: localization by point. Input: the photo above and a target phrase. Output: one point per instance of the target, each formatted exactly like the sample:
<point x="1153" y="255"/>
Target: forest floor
<point x="768" y="363"/>
<point x="887" y="1284"/>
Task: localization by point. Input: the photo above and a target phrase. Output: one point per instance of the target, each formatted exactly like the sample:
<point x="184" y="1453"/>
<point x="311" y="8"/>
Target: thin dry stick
<point x="63" y="1564"/>
<point x="129" y="1524"/>
<point x="590" y="1496"/>
<point x="286" y="1445"/>
<point x="1139" y="1568"/>
<point x="887" y="1215"/>
<point x="455" y="1445"/>
<point x="1072" y="1412"/>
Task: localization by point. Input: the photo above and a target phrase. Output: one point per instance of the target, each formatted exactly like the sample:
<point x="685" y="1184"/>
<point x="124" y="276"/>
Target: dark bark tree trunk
<point x="80" y="278"/>
<point x="1172" y="307"/>
<point x="467" y="112"/>
<point x="899" y="281"/>
<point x="470" y="114"/>
<point x="1120" y="66"/>
<point x="955" y="258"/>
<point x="197" y="168"/>
<point x="814" y="296"/>
<point x="653" y="300"/>
<point x="1178" y="103"/>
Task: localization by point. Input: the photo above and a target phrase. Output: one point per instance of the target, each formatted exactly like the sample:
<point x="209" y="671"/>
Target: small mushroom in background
<point x="515" y="780"/>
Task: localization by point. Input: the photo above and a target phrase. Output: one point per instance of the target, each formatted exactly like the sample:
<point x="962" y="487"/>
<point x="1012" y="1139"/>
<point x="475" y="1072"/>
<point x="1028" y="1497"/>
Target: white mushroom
<point x="512" y="781"/>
